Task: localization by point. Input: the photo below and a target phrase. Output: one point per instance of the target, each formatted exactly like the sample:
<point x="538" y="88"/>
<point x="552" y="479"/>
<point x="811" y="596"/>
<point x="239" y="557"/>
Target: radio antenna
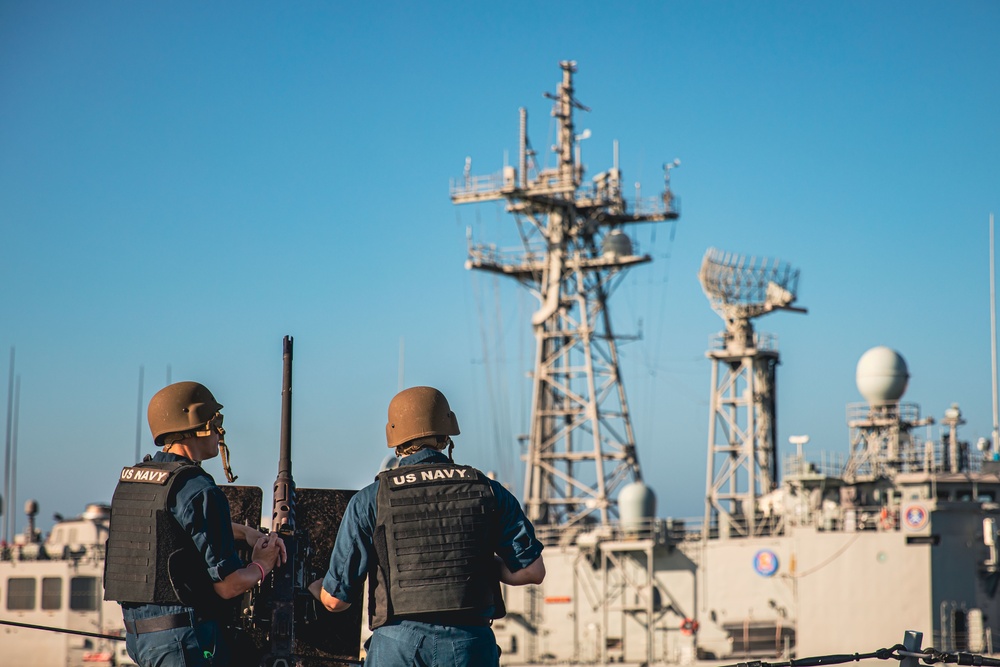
<point x="993" y="339"/>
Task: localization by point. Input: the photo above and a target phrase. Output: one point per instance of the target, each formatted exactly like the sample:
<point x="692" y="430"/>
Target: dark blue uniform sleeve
<point x="202" y="509"/>
<point x="349" y="559"/>
<point x="517" y="547"/>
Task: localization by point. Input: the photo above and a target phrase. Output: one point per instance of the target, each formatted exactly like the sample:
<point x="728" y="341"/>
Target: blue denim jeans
<point x="414" y="644"/>
<point x="201" y="645"/>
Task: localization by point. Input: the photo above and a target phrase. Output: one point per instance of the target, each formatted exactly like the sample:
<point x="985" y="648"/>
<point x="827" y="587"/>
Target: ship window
<point x="83" y="593"/>
<point x="986" y="497"/>
<point x="51" y="592"/>
<point x="21" y="593"/>
<point x="960" y="629"/>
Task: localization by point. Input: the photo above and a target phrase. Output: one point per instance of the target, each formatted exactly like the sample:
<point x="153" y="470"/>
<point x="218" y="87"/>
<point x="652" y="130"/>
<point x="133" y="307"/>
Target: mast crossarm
<point x="606" y="262"/>
<point x="580" y="456"/>
<point x="630" y="218"/>
<point x="522" y="272"/>
<point x="474" y="197"/>
<point x="535" y="196"/>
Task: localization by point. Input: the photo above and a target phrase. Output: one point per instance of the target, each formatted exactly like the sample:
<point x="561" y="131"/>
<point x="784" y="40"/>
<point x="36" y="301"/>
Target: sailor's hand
<point x="248" y="534"/>
<point x="281" y="547"/>
<point x="270" y="551"/>
<point x="316" y="588"/>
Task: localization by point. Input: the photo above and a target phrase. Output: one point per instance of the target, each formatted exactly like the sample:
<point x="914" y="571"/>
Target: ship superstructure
<point x="57" y="583"/>
<point x="794" y="554"/>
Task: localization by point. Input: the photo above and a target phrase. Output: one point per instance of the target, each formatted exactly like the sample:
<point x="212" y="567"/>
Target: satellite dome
<point x="882" y="375"/>
<point x="616" y="244"/>
<point x="636" y="506"/>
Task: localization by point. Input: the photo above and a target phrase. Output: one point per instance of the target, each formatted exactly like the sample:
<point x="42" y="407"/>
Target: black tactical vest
<point x="150" y="558"/>
<point x="435" y="535"/>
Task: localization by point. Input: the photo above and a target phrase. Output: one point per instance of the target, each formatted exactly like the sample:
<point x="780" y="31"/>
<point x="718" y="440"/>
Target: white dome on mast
<point x="882" y="375"/>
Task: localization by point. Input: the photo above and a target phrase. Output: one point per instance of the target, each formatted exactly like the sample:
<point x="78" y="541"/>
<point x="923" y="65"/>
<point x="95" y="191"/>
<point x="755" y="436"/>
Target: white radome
<point x="882" y="375"/>
<point x="636" y="506"/>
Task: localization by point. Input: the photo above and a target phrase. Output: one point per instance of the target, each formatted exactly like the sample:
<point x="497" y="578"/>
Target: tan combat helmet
<point x="179" y="408"/>
<point x="419" y="412"/>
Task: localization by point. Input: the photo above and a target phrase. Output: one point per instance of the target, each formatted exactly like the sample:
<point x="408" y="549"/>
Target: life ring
<point x="886" y="519"/>
<point x="689" y="626"/>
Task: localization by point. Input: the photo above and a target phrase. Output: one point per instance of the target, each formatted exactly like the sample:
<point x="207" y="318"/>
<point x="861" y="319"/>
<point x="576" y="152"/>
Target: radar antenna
<point x="742" y="431"/>
<point x="581" y="447"/>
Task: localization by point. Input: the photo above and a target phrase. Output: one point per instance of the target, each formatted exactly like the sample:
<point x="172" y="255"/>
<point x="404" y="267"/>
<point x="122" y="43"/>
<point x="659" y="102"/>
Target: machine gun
<point x="284" y="622"/>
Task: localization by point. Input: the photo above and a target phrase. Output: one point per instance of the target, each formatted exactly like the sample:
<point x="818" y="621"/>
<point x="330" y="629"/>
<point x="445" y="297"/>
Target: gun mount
<point x="283" y="623"/>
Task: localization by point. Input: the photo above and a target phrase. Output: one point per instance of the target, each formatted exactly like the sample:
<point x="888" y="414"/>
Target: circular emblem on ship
<point x="765" y="562"/>
<point x="915" y="517"/>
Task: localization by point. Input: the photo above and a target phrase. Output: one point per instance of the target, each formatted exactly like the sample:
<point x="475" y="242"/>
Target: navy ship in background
<point x="899" y="535"/>
<point x="56" y="582"/>
<point x="792" y="554"/>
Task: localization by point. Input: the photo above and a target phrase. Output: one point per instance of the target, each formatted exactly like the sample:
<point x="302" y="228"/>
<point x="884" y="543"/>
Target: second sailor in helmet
<point x="434" y="540"/>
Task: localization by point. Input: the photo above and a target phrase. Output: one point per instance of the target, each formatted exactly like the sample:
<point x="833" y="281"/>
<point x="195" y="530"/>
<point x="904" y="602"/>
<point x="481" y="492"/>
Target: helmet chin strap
<point x="216" y="423"/>
<point x="230" y="477"/>
<point x="223" y="448"/>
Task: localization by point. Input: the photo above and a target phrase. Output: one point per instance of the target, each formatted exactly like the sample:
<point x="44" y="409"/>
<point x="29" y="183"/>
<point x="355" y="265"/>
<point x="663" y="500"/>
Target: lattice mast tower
<point x="742" y="434"/>
<point x="581" y="446"/>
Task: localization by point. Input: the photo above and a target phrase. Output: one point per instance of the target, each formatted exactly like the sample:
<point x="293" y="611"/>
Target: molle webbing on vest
<point x="434" y="540"/>
<point x="146" y="544"/>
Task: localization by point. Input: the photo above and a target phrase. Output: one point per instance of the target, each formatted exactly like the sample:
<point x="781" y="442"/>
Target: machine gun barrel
<point x="283" y="518"/>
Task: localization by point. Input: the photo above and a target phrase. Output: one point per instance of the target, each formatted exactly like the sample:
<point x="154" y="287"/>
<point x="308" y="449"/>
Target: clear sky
<point x="182" y="184"/>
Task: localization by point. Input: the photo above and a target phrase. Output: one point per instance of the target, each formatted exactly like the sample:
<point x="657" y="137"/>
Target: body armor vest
<point x="150" y="558"/>
<point x="435" y="534"/>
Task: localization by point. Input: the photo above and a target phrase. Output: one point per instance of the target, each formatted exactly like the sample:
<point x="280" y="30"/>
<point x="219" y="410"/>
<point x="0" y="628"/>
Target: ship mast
<point x="581" y="447"/>
<point x="742" y="429"/>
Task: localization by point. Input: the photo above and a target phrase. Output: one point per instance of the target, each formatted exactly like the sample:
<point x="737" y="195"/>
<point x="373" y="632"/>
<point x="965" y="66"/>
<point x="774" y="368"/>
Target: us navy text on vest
<point x="143" y="474"/>
<point x="430" y="476"/>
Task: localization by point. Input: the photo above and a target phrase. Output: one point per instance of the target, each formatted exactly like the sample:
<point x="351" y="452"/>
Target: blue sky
<point x="182" y="184"/>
